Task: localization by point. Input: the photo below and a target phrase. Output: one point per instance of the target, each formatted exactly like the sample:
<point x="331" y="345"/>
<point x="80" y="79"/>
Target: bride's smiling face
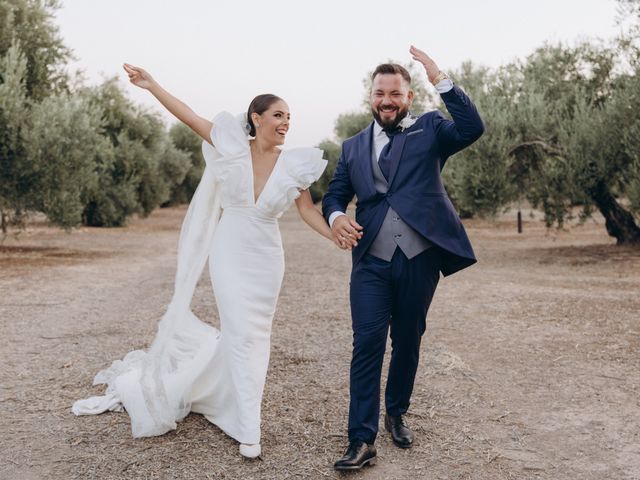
<point x="274" y="123"/>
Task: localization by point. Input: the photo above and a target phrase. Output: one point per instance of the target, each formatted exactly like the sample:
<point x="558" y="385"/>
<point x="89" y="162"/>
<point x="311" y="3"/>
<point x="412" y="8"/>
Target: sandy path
<point x="530" y="366"/>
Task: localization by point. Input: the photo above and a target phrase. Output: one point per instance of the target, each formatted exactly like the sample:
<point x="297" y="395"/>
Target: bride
<point x="248" y="182"/>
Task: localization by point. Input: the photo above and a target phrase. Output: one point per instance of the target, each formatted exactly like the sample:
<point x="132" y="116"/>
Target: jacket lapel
<point x="364" y="156"/>
<point x="396" y="153"/>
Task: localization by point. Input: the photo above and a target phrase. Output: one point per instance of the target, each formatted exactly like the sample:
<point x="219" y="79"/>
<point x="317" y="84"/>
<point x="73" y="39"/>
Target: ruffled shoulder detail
<point x="228" y="134"/>
<point x="299" y="169"/>
<point x="304" y="165"/>
<point x="230" y="150"/>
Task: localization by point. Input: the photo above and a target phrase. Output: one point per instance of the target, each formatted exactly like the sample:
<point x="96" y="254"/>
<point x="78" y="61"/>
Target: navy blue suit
<point x="397" y="294"/>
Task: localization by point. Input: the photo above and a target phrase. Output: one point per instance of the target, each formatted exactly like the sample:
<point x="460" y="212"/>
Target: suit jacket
<point x="415" y="191"/>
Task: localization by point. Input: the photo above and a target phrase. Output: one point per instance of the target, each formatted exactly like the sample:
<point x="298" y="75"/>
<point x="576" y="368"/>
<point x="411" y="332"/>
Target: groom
<point x="405" y="233"/>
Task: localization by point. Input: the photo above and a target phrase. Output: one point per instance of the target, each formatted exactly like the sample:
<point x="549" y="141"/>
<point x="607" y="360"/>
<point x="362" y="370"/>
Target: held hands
<point x="138" y="76"/>
<point x="429" y="65"/>
<point x="346" y="232"/>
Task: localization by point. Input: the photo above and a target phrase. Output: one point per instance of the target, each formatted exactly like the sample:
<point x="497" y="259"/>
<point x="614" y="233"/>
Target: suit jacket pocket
<point x="420" y="130"/>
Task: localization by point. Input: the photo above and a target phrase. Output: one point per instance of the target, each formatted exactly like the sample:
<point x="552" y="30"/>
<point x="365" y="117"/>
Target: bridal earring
<point x="257" y="125"/>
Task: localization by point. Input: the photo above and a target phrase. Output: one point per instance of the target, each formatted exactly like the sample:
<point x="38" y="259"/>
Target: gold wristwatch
<point x="441" y="76"/>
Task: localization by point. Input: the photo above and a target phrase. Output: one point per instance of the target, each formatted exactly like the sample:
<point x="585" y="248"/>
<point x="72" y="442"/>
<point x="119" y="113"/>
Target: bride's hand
<point x="138" y="76"/>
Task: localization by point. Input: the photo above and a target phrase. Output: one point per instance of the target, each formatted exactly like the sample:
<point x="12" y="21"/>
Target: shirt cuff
<point x="444" y="85"/>
<point x="333" y="216"/>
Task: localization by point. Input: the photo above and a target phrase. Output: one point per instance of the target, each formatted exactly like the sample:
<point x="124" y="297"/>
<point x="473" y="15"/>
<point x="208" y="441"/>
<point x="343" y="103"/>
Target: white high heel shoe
<point x="250" y="451"/>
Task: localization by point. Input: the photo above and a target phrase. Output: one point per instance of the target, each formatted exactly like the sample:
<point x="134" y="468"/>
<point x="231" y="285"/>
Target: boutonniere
<point x="407" y="121"/>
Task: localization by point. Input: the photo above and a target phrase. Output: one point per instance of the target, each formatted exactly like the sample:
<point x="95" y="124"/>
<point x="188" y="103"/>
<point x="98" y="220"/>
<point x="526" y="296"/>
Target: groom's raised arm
<point x="465" y="128"/>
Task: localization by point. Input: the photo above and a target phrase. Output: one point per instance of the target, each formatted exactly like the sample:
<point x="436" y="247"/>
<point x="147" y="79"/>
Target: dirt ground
<point x="530" y="366"/>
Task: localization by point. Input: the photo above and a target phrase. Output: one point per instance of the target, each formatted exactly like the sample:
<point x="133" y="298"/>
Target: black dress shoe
<point x="358" y="455"/>
<point x="400" y="432"/>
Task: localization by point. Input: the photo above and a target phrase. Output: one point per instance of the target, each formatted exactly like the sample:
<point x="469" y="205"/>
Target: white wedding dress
<point x="191" y="366"/>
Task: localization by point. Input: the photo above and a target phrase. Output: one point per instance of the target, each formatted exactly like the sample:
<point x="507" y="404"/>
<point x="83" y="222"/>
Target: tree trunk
<point x="619" y="222"/>
<point x="3" y="222"/>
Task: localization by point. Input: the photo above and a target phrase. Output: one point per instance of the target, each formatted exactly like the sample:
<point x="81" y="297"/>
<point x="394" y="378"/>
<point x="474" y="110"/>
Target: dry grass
<point x="530" y="365"/>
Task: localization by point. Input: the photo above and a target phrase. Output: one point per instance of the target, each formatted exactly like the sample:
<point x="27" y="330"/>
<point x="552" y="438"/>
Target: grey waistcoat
<point x="394" y="232"/>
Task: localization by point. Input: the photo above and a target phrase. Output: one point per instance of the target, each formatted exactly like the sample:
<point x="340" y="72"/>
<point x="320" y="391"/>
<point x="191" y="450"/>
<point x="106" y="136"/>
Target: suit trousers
<point x="385" y="296"/>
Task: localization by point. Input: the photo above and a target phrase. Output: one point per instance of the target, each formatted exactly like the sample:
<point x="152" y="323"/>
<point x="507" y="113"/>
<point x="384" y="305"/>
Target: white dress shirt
<point x="380" y="138"/>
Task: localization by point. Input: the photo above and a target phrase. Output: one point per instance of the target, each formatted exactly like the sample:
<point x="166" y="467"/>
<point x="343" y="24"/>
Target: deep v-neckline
<point x="266" y="183"/>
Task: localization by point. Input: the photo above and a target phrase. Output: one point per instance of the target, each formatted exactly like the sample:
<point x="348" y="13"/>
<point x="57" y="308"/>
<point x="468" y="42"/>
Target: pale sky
<point x="218" y="55"/>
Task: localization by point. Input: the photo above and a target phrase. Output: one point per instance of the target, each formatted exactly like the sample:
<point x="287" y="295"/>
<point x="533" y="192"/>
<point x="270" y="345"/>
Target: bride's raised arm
<point x="141" y="78"/>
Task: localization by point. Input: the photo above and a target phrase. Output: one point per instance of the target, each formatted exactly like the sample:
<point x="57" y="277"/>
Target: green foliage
<point x="562" y="131"/>
<point x="63" y="143"/>
<point x="185" y="140"/>
<point x="87" y="156"/>
<point x="349" y="124"/>
<point x="145" y="164"/>
<point x="30" y="23"/>
<point x="477" y="178"/>
<point x="331" y="154"/>
<point x="15" y="170"/>
<point x="583" y="154"/>
<point x="626" y="103"/>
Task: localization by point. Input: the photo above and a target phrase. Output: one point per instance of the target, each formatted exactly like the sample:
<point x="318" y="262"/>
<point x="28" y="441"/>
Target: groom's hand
<point x="346" y="231"/>
<point x="427" y="62"/>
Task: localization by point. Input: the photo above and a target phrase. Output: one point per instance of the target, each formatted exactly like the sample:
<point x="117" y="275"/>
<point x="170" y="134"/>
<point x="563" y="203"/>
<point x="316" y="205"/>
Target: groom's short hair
<point x="392" y="68"/>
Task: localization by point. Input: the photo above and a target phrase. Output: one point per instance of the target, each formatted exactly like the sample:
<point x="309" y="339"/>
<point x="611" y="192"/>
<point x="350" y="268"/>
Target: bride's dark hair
<point x="259" y="105"/>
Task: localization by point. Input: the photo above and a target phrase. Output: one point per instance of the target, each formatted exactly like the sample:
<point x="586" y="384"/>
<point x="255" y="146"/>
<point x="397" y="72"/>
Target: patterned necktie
<point x="385" y="156"/>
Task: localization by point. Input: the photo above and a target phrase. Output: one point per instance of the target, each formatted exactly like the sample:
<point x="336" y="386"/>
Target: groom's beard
<point x="390" y="125"/>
